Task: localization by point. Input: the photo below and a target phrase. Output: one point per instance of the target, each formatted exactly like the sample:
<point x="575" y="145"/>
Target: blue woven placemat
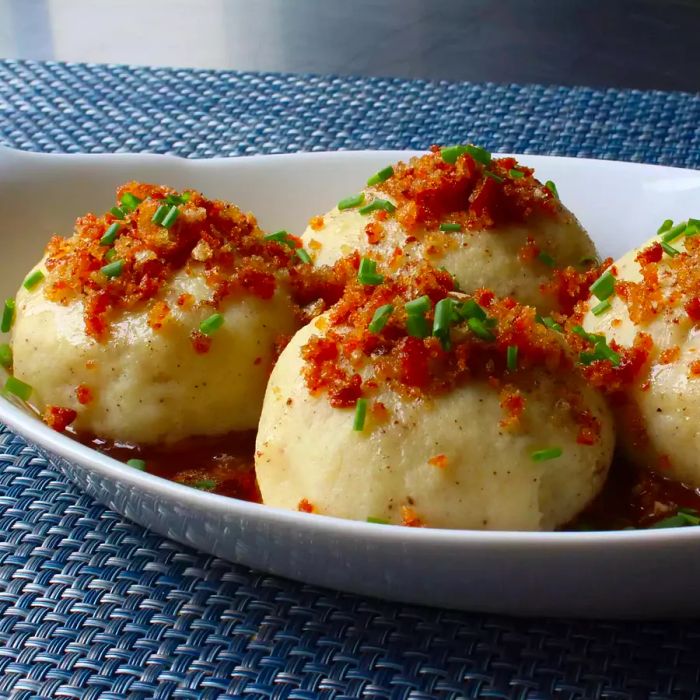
<point x="92" y="606"/>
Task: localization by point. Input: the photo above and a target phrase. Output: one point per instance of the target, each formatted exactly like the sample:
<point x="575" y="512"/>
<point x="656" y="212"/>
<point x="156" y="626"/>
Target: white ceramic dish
<point x="615" y="574"/>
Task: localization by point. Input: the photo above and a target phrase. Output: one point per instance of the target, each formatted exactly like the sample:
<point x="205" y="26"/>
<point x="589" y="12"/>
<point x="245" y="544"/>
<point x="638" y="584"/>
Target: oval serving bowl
<point x="648" y="573"/>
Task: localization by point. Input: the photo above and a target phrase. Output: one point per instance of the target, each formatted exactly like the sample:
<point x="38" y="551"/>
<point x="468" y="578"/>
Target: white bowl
<point x="612" y="574"/>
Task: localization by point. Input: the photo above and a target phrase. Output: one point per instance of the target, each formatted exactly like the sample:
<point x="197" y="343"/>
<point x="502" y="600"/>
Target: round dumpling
<point x="487" y="221"/>
<point x="483" y="424"/>
<point x="651" y="316"/>
<point x="146" y="329"/>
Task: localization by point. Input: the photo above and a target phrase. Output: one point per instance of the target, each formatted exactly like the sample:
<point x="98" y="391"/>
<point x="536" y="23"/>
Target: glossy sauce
<point x="225" y="465"/>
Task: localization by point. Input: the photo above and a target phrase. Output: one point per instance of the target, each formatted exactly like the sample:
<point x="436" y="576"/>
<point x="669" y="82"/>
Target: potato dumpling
<point x="487" y="221"/>
<point x="157" y="321"/>
<point x="412" y="404"/>
<point x="652" y="316"/>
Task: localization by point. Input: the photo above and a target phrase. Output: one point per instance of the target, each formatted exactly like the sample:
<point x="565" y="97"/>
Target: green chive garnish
<point x="665" y="226"/>
<point x="601" y="308"/>
<point x="516" y="174"/>
<point x="303" y="256"/>
<point x="8" y="315"/>
<point x="136" y="464"/>
<point x="377" y="521"/>
<point x="160" y="213"/>
<point x="32" y="279"/>
<point x="692" y="230"/>
<point x="376" y="204"/>
<point x="493" y="176"/>
<point x="367" y="274"/>
<point x="281" y="237"/>
<point x="418" y="307"/>
<point x="547" y="454"/>
<point x="117" y="213"/>
<point x="5" y="356"/>
<point x="480" y="155"/>
<point x="444" y="314"/>
<point x="129" y="202"/>
<point x="451" y="153"/>
<point x="417" y="326"/>
<point x="512" y="358"/>
<point x="18" y="388"/>
<point x="604" y="286"/>
<point x="547" y="259"/>
<point x="111" y="234"/>
<point x="351" y="202"/>
<point x="550" y="323"/>
<point x="169" y="218"/>
<point x="601" y="352"/>
<point x="110" y="255"/>
<point x="358" y="423"/>
<point x="450" y="227"/>
<point x="175" y="199"/>
<point x="674" y="232"/>
<point x="552" y="188"/>
<point x="113" y="269"/>
<point x="683" y="518"/>
<point x="380" y="318"/>
<point x="480" y="329"/>
<point x="669" y="249"/>
<point x="470" y="309"/>
<point x="212" y="324"/>
<point x="204" y="484"/>
<point x="381" y="176"/>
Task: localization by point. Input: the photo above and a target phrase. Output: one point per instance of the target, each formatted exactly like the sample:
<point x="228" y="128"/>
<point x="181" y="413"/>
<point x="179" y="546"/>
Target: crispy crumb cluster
<point x="473" y="194"/>
<point x="145" y="254"/>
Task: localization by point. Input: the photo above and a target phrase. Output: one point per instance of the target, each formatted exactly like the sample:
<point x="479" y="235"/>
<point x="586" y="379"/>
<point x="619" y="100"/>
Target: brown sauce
<point x="631" y="498"/>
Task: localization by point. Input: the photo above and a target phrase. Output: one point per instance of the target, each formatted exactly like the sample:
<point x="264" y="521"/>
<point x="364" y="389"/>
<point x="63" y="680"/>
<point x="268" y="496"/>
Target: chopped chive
<point x="512" y="358"/>
<point x="480" y="155"/>
<point x="367" y="274"/>
<point x="111" y="234"/>
<point x="471" y="309"/>
<point x="358" y="423"/>
<point x="303" y="256"/>
<point x="377" y="521"/>
<point x="546" y="454"/>
<point x="351" y="202"/>
<point x="380" y="318"/>
<point x="117" y="213"/>
<point x="552" y="188"/>
<point x="450" y="227"/>
<point x="5" y="356"/>
<point x="282" y="237"/>
<point x="667" y="224"/>
<point x="204" y="484"/>
<point x="32" y="279"/>
<point x="480" y="329"/>
<point x="136" y="464"/>
<point x="674" y="232"/>
<point x="601" y="308"/>
<point x="113" y="269"/>
<point x="212" y="324"/>
<point x="18" y="388"/>
<point x="691" y="230"/>
<point x="417" y="326"/>
<point x="109" y="255"/>
<point x="493" y="176"/>
<point x="175" y="199"/>
<point x="129" y="202"/>
<point x="8" y="315"/>
<point x="418" y="306"/>
<point x="547" y="259"/>
<point x="669" y="249"/>
<point x="601" y="352"/>
<point x="516" y="174"/>
<point x="672" y="521"/>
<point x="160" y="213"/>
<point x="451" y="153"/>
<point x="376" y="204"/>
<point x="444" y="314"/>
<point x="590" y="337"/>
<point x="383" y="175"/>
<point x="550" y="323"/>
<point x="169" y="218"/>
<point x="604" y="286"/>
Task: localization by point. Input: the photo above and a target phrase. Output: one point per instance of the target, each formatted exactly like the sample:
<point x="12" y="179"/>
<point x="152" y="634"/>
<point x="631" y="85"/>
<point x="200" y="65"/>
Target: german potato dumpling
<point x="486" y="426"/>
<point x="654" y="312"/>
<point x="175" y="339"/>
<point x="487" y="221"/>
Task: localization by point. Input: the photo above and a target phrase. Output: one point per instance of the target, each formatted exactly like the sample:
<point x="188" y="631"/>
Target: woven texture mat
<point x="92" y="606"/>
